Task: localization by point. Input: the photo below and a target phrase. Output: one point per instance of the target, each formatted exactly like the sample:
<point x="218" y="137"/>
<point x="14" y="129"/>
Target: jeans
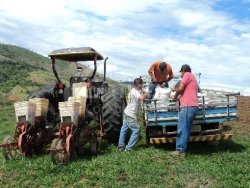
<point x="151" y="88"/>
<point x="186" y="117"/>
<point x="132" y="124"/>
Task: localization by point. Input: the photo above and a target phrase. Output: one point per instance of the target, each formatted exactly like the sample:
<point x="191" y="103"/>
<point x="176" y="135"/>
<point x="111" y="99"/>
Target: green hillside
<point x="23" y="71"/>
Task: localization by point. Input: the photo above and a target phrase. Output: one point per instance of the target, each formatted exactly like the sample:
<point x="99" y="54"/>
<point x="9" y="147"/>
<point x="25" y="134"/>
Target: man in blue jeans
<point x="188" y="92"/>
<point x="129" y="119"/>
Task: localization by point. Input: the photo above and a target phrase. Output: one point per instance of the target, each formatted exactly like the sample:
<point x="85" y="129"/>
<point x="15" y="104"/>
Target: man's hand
<point x="174" y="98"/>
<point x="163" y="85"/>
<point x="173" y="89"/>
<point x="143" y="96"/>
<point x="154" y="79"/>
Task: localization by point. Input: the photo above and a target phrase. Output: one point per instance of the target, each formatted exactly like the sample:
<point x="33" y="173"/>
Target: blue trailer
<point x="161" y="121"/>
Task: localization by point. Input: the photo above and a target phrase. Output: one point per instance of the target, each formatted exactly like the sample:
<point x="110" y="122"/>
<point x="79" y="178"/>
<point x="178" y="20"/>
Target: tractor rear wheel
<point x="114" y="102"/>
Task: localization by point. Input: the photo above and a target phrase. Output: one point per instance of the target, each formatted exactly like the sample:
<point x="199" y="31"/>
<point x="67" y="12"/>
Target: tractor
<point x="103" y="112"/>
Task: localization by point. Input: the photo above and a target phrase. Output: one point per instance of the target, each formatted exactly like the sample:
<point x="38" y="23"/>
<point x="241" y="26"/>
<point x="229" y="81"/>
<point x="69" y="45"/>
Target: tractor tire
<point x="52" y="115"/>
<point x="114" y="102"/>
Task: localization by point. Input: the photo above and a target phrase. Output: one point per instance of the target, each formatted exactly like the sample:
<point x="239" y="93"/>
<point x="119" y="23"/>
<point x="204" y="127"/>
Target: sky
<point x="213" y="36"/>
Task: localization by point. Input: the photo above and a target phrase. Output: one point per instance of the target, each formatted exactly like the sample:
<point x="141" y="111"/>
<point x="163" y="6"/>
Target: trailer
<point x="215" y="108"/>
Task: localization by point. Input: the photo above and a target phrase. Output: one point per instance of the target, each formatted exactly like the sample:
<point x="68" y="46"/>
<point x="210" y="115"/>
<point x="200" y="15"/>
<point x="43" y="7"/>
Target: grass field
<point x="205" y="165"/>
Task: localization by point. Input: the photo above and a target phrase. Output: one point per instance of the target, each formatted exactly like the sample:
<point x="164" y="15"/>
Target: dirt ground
<point x="243" y="126"/>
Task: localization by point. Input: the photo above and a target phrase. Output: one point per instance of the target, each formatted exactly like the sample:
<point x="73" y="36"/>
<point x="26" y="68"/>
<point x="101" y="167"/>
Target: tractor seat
<point x="74" y="80"/>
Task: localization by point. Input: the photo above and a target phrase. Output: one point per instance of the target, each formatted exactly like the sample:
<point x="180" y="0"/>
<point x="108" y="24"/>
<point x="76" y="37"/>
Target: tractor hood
<point x="76" y="54"/>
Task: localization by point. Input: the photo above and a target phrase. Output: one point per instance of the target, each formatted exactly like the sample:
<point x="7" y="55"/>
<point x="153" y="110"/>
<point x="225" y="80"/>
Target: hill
<point x="23" y="71"/>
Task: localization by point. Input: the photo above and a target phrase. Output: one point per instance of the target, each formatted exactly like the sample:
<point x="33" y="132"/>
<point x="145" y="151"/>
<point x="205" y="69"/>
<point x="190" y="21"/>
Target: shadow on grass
<point x="88" y="155"/>
<point x="207" y="148"/>
<point x="203" y="148"/>
<point x="168" y="147"/>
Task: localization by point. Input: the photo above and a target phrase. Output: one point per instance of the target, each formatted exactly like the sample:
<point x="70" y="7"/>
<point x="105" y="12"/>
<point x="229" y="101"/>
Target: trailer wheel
<point x="114" y="102"/>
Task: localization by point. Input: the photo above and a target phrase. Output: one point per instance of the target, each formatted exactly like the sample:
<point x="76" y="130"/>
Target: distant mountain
<point x="23" y="71"/>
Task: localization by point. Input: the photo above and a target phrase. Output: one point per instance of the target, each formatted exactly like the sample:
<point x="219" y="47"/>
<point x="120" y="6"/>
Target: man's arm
<point x="179" y="90"/>
<point x="171" y="74"/>
<point x="143" y="96"/>
<point x="166" y="82"/>
<point x="169" y="78"/>
<point x="151" y="73"/>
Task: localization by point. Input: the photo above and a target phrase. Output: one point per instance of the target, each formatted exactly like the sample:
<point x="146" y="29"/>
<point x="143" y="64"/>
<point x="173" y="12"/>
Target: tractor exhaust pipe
<point x="104" y="74"/>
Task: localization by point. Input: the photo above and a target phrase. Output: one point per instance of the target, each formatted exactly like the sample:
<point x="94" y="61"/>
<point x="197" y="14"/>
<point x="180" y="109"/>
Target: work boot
<point x="121" y="148"/>
<point x="177" y="154"/>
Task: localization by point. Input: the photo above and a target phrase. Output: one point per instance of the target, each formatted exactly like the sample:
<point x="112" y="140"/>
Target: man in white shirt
<point x="129" y="119"/>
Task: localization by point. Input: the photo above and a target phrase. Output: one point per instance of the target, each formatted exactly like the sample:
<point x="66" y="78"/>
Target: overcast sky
<point x="212" y="36"/>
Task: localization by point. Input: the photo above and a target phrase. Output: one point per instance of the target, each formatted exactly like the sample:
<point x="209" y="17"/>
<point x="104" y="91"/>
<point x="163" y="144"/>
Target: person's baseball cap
<point x="185" y="68"/>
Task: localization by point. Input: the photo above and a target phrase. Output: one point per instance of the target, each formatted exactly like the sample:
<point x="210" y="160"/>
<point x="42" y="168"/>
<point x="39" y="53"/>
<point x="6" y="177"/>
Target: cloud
<point x="36" y="12"/>
<point x="134" y="34"/>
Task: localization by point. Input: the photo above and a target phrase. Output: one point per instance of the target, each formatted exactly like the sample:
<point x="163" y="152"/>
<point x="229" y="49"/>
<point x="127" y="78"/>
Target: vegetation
<point x="15" y="73"/>
<point x="206" y="165"/>
<point x="16" y="66"/>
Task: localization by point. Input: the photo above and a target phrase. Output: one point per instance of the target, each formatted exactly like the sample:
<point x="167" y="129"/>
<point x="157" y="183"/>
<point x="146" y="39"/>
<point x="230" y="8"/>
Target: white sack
<point x="162" y="94"/>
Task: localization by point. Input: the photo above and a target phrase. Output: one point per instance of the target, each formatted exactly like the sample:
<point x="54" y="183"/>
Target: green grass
<point x="7" y="120"/>
<point x="205" y="165"/>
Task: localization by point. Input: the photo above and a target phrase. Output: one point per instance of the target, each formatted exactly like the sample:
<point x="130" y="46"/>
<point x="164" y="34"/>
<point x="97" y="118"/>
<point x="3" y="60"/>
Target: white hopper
<point x="41" y="106"/>
<point x="69" y="112"/>
<point x="82" y="104"/>
<point x="25" y="111"/>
